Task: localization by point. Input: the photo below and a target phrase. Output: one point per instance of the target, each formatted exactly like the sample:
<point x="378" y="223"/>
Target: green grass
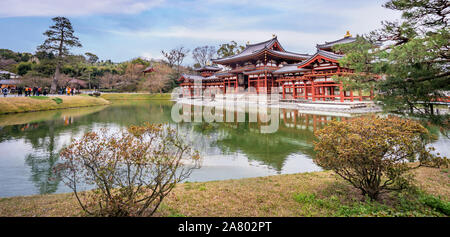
<point x="39" y="97"/>
<point x="306" y="194"/>
<point x="42" y="103"/>
<point x="436" y="203"/>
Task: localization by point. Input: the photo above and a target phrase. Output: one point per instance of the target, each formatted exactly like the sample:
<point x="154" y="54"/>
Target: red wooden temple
<point x="268" y="65"/>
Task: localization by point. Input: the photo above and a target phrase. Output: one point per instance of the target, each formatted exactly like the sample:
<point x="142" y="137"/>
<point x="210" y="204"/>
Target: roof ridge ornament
<point x="274" y="36"/>
<point x="347" y="34"/>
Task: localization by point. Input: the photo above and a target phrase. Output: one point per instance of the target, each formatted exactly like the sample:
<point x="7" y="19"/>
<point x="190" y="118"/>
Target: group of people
<point x="36" y="91"/>
<point x="68" y="91"/>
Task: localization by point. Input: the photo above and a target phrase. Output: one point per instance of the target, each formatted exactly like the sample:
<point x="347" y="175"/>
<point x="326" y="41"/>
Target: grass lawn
<point x="41" y="103"/>
<point x="305" y="194"/>
<point x="135" y="96"/>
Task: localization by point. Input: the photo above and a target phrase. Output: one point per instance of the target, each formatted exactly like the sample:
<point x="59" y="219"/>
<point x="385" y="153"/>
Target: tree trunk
<point x="55" y="80"/>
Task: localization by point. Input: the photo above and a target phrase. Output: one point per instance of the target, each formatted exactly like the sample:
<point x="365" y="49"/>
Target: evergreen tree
<point x="60" y="38"/>
<point x="412" y="56"/>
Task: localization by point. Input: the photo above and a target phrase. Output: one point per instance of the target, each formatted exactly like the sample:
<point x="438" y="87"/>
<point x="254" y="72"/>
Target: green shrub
<point x="436" y="203"/>
<point x="57" y="100"/>
<point x="372" y="153"/>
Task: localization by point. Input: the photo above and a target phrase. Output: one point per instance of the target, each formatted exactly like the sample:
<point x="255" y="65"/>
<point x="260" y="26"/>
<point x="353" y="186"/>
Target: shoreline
<point x="18" y="105"/>
<point x="15" y="105"/>
<point x="347" y="109"/>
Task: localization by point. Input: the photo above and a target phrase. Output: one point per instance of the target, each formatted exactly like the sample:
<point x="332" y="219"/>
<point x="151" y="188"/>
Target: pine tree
<point x="60" y="38"/>
<point x="411" y="55"/>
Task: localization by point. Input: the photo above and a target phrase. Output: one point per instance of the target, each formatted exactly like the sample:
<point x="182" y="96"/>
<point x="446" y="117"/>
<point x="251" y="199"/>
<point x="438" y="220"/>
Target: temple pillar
<point x="265" y="81"/>
<point x="341" y="92"/>
<point x="332" y="92"/>
<point x="306" y="90"/>
<point x="294" y="91"/>
<point x="257" y="85"/>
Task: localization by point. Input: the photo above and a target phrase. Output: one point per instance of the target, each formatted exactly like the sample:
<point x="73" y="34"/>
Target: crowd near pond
<point x="30" y="143"/>
<point x="37" y="91"/>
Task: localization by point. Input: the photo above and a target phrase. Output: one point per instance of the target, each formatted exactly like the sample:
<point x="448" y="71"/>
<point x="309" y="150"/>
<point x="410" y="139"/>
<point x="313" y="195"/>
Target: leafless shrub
<point x="132" y="171"/>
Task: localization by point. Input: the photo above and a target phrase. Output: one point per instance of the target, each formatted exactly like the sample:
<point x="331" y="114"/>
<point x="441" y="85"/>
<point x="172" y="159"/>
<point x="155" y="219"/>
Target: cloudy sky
<point x="124" y="29"/>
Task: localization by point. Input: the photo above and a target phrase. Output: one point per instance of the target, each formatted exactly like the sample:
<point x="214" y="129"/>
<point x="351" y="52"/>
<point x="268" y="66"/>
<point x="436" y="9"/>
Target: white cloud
<point x="151" y="55"/>
<point x="357" y="20"/>
<point x="18" y="8"/>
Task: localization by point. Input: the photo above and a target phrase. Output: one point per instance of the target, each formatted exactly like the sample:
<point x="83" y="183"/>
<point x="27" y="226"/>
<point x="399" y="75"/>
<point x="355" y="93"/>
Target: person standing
<point x="5" y="91"/>
<point x="19" y="91"/>
<point x="72" y="91"/>
<point x="45" y="91"/>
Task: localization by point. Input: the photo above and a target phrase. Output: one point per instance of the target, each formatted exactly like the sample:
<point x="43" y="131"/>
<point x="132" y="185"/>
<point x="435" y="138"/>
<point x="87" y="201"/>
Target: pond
<point x="30" y="143"/>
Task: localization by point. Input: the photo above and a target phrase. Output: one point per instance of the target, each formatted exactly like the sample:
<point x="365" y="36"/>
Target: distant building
<point x="8" y="79"/>
<point x="148" y="69"/>
<point x="8" y="75"/>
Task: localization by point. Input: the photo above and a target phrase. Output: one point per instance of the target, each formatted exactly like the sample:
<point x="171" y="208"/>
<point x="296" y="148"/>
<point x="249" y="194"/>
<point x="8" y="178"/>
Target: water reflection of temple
<point x="298" y="120"/>
<point x="295" y="135"/>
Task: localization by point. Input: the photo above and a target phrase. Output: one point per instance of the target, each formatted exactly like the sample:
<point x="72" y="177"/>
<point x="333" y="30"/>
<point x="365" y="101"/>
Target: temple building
<point x="267" y="65"/>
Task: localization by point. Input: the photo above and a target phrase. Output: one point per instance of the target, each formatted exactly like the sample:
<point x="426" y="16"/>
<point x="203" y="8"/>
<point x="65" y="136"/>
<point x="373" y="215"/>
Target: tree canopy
<point x="412" y="55"/>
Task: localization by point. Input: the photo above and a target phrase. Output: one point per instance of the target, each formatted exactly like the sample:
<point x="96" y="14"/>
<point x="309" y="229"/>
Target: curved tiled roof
<point x="191" y="77"/>
<point x="254" y="49"/>
<point x="259" y="71"/>
<point x="197" y="78"/>
<point x="208" y="68"/>
<point x="224" y="74"/>
<point x="9" y="82"/>
<point x="323" y="53"/>
<point x="344" y="40"/>
<point x="290" y="68"/>
<point x="290" y="54"/>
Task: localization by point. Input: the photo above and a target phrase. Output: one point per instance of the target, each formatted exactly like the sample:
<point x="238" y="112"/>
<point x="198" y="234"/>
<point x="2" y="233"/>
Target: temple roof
<point x="290" y="68"/>
<point x="191" y="77"/>
<point x="290" y="54"/>
<point x="323" y="53"/>
<point x="9" y="82"/>
<point x="208" y="68"/>
<point x="197" y="78"/>
<point x="224" y="74"/>
<point x="255" y="49"/>
<point x="345" y="40"/>
<point x="259" y="71"/>
<point x="148" y="69"/>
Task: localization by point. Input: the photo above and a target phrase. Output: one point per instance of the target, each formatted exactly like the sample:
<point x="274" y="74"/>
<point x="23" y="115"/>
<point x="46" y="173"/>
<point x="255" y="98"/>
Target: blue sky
<point x="123" y="29"/>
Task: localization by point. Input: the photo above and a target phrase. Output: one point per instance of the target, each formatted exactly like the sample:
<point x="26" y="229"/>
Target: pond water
<point x="30" y="143"/>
